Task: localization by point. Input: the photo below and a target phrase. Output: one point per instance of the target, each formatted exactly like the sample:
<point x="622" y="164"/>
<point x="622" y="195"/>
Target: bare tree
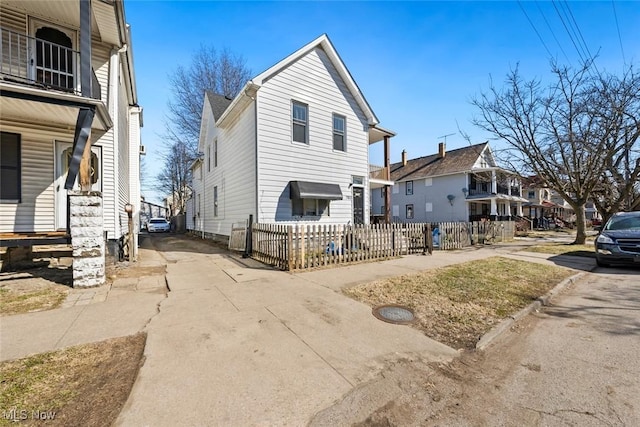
<point x="223" y="73"/>
<point x="568" y="133"/>
<point x="220" y="72"/>
<point x="175" y="176"/>
<point x="619" y="187"/>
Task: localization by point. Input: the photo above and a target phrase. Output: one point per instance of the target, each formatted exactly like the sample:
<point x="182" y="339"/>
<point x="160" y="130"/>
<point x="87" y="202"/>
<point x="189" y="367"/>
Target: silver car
<point x="158" y="225"/>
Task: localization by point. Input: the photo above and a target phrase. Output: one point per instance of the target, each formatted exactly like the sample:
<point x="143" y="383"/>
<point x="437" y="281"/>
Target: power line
<point x="535" y="29"/>
<point x="568" y="32"/>
<point x="615" y="15"/>
<point x="552" y="32"/>
<point x="584" y="43"/>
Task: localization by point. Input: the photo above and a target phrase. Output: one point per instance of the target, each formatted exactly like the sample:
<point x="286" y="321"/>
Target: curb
<point x="543" y="300"/>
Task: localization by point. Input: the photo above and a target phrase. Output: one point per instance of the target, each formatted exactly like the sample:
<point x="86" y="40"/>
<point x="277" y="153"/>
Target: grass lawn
<point x="85" y="385"/>
<point x="16" y="302"/>
<point x="458" y="304"/>
<point x="586" y="250"/>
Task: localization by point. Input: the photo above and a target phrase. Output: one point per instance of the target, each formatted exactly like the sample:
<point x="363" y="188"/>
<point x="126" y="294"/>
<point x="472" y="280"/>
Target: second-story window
<point x="208" y="158"/>
<point x="215" y="153"/>
<point x="300" y="122"/>
<point x="339" y="141"/>
<point x="409" y="191"/>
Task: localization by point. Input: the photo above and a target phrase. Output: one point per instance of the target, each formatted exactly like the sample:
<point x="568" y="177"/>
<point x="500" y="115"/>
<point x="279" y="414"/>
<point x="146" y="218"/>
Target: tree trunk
<point x="581" y="224"/>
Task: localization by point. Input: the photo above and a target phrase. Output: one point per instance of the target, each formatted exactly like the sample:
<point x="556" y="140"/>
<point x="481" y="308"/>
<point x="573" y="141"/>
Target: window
<point x="409" y="212"/>
<point x="208" y="158"/>
<point x="357" y="180"/>
<point x="532" y="194"/>
<point x="339" y="133"/>
<point x="383" y="209"/>
<point x="215" y="201"/>
<point x="300" y="122"/>
<point x="215" y="153"/>
<point x="310" y="207"/>
<point x="409" y="191"/>
<point x="10" y="172"/>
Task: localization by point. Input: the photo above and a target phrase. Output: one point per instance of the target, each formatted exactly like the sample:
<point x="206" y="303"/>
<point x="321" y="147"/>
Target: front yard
<point x="456" y="305"/>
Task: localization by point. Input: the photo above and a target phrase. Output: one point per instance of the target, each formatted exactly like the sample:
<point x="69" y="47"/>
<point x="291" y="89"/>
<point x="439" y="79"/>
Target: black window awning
<point x="314" y="190"/>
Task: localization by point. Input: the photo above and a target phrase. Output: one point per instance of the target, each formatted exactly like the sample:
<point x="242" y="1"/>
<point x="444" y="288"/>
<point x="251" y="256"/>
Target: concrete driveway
<point x="235" y="343"/>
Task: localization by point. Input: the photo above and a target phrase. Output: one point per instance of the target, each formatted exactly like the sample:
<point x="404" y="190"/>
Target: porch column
<point x="87" y="238"/>
<point x="519" y="204"/>
<point x="387" y="188"/>
<point x="494" y="182"/>
<point x="494" y="208"/>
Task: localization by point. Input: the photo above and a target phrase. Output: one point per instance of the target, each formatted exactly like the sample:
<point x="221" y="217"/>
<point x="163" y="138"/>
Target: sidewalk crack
<point x="310" y="348"/>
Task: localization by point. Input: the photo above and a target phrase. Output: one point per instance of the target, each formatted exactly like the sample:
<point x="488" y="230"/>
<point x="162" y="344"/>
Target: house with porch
<point x="291" y="148"/>
<point x="70" y="124"/>
<point x="465" y="184"/>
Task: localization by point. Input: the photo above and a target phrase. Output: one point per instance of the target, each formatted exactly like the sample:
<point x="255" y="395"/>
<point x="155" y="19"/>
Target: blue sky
<point x="417" y="63"/>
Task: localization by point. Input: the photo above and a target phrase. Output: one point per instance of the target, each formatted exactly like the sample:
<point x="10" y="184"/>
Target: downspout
<point x="114" y="65"/>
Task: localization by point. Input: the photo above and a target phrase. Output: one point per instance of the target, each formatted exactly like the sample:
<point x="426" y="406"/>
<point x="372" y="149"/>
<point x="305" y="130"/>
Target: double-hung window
<point x="215" y="153"/>
<point x="339" y="140"/>
<point x="300" y="119"/>
<point x="409" y="189"/>
<point x="10" y="185"/>
<point x="409" y="211"/>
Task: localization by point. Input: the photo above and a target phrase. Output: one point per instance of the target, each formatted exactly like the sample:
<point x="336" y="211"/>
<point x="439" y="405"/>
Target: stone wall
<point x="87" y="238"/>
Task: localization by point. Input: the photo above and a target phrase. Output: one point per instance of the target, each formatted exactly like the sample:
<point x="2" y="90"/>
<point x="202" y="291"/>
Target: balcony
<point x="377" y="172"/>
<point x="43" y="64"/>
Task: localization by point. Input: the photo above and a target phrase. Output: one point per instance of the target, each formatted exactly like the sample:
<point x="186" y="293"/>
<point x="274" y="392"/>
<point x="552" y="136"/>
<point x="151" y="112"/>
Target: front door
<point x="358" y="205"/>
<point x="64" y="152"/>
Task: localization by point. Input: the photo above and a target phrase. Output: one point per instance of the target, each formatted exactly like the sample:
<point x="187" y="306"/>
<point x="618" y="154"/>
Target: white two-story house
<point x="465" y="184"/>
<point x="291" y="148"/>
<point x="67" y="92"/>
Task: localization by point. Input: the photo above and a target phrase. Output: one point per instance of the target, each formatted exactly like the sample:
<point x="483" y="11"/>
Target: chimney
<point x="404" y="157"/>
<point x="441" y="150"/>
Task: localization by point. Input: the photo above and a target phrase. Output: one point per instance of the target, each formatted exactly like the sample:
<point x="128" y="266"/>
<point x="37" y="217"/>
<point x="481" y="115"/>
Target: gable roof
<point x="219" y="103"/>
<point x="454" y="161"/>
<point x="323" y="43"/>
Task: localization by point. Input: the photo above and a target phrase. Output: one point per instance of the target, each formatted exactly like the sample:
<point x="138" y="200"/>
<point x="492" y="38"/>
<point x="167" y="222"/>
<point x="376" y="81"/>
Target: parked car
<point x="619" y="240"/>
<point x="158" y="225"/>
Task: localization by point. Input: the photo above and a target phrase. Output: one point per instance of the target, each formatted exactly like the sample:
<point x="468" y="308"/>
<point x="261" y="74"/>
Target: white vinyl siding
<point x="36" y="212"/>
<point x="234" y="177"/>
<point x="313" y="80"/>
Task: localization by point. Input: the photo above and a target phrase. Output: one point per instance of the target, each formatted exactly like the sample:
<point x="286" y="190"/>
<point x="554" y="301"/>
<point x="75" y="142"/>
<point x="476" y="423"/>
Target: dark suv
<point x="619" y="240"/>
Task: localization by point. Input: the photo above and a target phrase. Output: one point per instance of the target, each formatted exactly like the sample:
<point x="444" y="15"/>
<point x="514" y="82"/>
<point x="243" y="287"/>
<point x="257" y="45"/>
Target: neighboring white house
<point x="292" y="147"/>
<point x="465" y="184"/>
<point x="60" y="93"/>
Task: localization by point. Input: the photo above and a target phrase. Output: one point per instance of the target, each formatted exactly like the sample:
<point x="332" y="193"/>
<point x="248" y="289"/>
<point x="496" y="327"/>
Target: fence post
<point x="289" y="248"/>
<point x="248" y="244"/>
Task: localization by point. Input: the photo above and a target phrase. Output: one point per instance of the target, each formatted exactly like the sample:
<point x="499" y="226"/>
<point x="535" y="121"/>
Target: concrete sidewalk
<point x="235" y="343"/>
<point x="121" y="308"/>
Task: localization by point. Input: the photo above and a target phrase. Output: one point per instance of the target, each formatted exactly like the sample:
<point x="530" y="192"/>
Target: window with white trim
<point x="10" y="170"/>
<point x="215" y="153"/>
<point x="300" y="122"/>
<point x="339" y="130"/>
<point x="310" y="207"/>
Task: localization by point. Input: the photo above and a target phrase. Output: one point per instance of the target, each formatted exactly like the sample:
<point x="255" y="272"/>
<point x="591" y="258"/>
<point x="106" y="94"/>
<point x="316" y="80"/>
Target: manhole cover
<point x="394" y="313"/>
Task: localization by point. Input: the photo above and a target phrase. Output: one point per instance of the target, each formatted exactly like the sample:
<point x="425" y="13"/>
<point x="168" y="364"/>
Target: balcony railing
<point x="38" y="62"/>
<point x="377" y="172"/>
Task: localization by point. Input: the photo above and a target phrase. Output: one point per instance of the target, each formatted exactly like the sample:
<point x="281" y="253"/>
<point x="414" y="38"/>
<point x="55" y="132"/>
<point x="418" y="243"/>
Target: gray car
<point x="619" y="240"/>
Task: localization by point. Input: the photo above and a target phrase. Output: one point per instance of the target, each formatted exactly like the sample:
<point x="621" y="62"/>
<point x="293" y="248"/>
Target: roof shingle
<point x="219" y="103"/>
<point x="459" y="160"/>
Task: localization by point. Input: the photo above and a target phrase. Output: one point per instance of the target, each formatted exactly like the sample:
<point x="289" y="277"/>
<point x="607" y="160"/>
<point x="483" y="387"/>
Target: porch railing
<point x="377" y="172"/>
<point x="34" y="61"/>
